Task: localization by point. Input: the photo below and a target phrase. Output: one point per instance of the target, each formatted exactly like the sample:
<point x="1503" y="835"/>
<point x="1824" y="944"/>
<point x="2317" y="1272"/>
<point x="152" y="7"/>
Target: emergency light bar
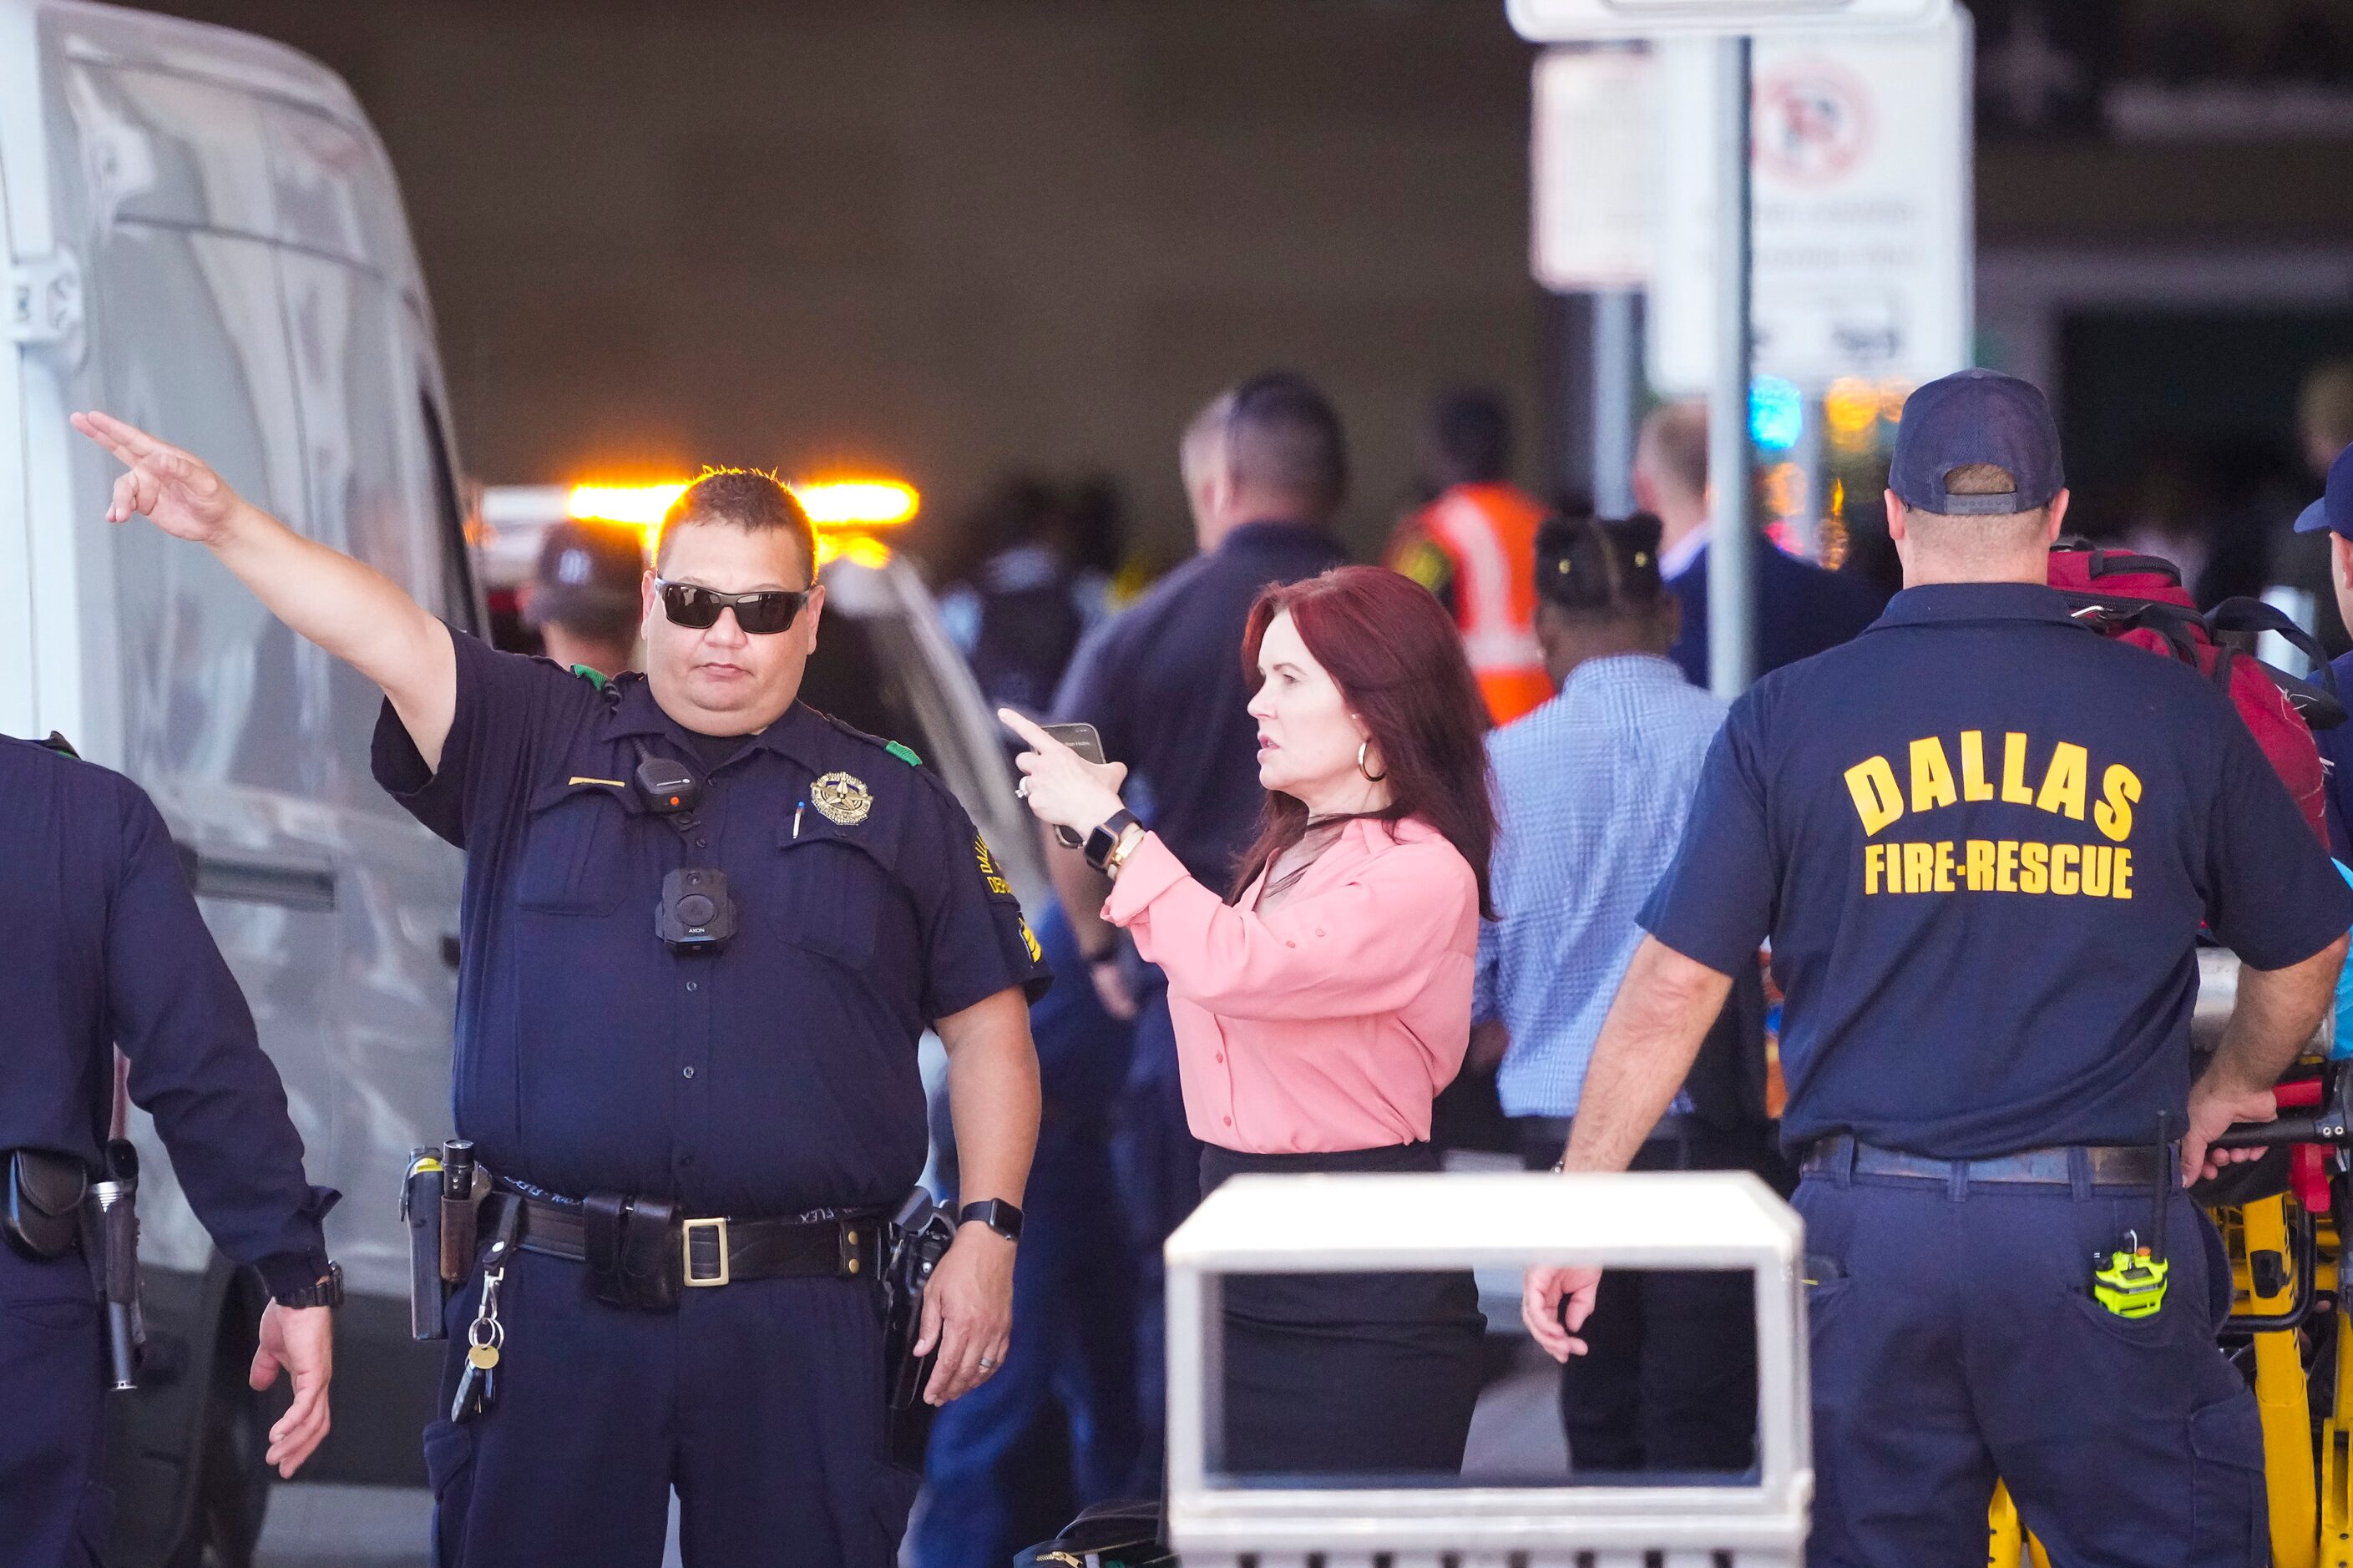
<point x="830" y="503"/>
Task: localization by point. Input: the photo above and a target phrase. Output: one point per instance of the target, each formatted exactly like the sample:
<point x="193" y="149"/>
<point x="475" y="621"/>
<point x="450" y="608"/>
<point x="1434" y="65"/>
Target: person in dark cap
<point x="1591" y="792"/>
<point x="2332" y="515"/>
<point x="583" y="596"/>
<point x="1983" y="839"/>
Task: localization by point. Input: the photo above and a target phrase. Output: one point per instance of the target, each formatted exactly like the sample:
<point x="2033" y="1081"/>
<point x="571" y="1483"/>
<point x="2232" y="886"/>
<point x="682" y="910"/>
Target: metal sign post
<point x="1732" y="543"/>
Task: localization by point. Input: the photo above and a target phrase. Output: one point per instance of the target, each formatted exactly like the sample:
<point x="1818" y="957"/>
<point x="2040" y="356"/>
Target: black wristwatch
<point x="327" y="1290"/>
<point x="996" y="1214"/>
<point x="1105" y="837"/>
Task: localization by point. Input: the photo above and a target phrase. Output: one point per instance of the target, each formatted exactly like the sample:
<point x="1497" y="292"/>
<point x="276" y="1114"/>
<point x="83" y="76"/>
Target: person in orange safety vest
<point x="1474" y="546"/>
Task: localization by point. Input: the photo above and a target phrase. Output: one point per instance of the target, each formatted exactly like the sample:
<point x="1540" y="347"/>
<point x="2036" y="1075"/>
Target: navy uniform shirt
<point x="2337" y="751"/>
<point x="1164" y="683"/>
<point x="105" y="948"/>
<point x="1982" y="839"/>
<point x="1801" y="610"/>
<point x="773" y="1078"/>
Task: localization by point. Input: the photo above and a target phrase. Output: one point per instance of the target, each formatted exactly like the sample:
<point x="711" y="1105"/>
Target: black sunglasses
<point x="758" y="614"/>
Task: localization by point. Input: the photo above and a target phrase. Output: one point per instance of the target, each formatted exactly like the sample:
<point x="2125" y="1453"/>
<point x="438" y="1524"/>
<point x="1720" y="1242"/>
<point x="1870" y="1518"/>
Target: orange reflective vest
<point x="1477" y="544"/>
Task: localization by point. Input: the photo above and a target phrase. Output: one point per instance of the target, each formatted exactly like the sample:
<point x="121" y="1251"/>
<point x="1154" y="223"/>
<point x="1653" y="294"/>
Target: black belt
<point x="2104" y="1165"/>
<point x="719" y="1251"/>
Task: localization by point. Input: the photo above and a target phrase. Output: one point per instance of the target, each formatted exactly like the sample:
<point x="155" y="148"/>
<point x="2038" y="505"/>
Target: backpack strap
<point x="2245" y="615"/>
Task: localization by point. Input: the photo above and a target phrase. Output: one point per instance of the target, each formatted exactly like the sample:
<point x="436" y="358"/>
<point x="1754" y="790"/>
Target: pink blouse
<point x="1331" y="1020"/>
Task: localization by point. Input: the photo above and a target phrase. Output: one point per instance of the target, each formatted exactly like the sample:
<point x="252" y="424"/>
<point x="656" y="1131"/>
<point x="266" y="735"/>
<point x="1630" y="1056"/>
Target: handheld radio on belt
<point x="697" y="913"/>
<point x="2131" y="1282"/>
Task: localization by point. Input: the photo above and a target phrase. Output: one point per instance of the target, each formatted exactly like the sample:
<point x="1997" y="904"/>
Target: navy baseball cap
<point x="2334" y="510"/>
<point x="587" y="577"/>
<point x="1976" y="417"/>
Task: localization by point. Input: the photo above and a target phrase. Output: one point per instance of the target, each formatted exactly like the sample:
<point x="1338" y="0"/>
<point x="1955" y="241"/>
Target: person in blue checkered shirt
<point x="1592" y="789"/>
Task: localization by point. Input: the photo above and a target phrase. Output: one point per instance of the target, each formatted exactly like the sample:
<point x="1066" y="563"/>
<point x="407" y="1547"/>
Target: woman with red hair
<point x="1322" y="1002"/>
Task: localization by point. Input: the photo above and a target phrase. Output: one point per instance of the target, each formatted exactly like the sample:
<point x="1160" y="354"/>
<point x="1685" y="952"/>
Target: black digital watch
<point x="1105" y="837"/>
<point x="996" y="1214"/>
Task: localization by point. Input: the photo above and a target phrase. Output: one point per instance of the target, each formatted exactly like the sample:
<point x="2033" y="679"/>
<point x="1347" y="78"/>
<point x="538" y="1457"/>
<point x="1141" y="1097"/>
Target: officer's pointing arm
<point x="353" y="611"/>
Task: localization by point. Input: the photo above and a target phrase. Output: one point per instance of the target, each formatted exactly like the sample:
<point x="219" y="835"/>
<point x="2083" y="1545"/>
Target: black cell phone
<point x="1082" y="739"/>
<point x="1087" y="741"/>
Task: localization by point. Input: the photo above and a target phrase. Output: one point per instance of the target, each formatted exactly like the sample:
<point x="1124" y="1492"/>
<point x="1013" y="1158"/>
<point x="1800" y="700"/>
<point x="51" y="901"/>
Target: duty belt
<point x="2102" y="1165"/>
<point x="717" y="1251"/>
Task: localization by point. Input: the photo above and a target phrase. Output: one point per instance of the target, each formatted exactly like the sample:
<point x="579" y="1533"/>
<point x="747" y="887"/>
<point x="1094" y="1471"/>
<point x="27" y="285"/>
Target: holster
<point x="420" y="1212"/>
<point x="45" y="1194"/>
<point x="635" y="1251"/>
<point x="109" y="1218"/>
<point x="920" y="1236"/>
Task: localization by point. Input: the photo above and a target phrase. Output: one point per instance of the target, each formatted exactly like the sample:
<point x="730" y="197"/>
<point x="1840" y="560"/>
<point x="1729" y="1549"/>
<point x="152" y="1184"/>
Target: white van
<point x="203" y="235"/>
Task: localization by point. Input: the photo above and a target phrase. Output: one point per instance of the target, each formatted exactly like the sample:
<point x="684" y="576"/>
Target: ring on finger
<point x="987" y="1364"/>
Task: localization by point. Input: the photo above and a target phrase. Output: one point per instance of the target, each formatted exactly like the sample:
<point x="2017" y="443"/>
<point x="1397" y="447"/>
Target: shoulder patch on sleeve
<point x="903" y="752"/>
<point x="592" y="677"/>
<point x="988" y="868"/>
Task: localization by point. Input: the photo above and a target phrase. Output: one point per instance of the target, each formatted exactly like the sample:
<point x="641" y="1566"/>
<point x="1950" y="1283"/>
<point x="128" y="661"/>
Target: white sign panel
<point x="1862" y="222"/>
<point x="1587" y="161"/>
<point x="1566" y="21"/>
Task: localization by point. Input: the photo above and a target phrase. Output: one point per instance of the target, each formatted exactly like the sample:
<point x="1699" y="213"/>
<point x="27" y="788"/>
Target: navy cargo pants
<point x="760" y="1402"/>
<point x="53" y="1511"/>
<point x="1955" y="1340"/>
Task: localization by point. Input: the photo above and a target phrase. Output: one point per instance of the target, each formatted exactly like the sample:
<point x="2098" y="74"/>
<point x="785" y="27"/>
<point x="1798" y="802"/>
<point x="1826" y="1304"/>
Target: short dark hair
<point x="1472" y="432"/>
<point x="1283" y="437"/>
<point x="753" y="499"/>
<point x="1599" y="568"/>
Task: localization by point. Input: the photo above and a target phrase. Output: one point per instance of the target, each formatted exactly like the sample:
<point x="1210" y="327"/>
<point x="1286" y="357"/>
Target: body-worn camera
<point x="696" y="912"/>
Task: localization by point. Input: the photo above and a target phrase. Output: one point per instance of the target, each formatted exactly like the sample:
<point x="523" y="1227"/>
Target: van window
<point x="215" y="690"/>
<point x="457" y="605"/>
<point x="865" y="674"/>
<point x="370" y="469"/>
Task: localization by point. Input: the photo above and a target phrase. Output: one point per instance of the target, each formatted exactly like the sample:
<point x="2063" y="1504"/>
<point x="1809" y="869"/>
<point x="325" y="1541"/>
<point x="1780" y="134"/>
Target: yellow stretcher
<point x="2289" y="1329"/>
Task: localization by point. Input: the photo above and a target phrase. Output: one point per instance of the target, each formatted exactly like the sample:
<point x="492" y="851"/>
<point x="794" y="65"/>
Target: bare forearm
<point x="1663" y="1012"/>
<point x="2277" y="1011"/>
<point x="353" y="611"/>
<point x="992" y="1097"/>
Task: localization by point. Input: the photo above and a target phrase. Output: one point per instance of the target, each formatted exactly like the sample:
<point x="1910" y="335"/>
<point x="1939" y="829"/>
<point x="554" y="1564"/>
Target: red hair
<point x="1397" y="659"/>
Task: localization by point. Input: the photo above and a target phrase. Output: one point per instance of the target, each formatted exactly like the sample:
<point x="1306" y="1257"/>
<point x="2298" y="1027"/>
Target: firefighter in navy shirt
<point x="1982" y="839"/>
<point x="105" y="948"/>
<point x="704" y="928"/>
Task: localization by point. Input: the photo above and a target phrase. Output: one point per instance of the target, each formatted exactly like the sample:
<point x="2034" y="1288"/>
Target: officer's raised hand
<point x="353" y="611"/>
<point x="302" y="1341"/>
<point x="177" y="489"/>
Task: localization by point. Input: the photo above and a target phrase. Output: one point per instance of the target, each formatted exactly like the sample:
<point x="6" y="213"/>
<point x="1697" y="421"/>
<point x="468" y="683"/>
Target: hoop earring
<point x="1370" y="777"/>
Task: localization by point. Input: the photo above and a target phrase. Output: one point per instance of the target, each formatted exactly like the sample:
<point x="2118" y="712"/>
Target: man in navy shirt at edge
<point x="1982" y="839"/>
<point x="603" y="1073"/>
<point x="105" y="948"/>
<point x="2332" y="514"/>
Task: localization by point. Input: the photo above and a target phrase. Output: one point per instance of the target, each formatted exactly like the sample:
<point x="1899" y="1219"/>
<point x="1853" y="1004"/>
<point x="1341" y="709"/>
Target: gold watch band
<point x="1129" y="838"/>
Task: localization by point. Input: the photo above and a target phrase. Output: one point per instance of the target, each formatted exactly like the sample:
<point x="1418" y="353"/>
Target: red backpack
<point x="2139" y="599"/>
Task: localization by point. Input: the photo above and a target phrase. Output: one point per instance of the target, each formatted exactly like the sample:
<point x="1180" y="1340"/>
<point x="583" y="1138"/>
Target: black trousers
<point x="1346" y="1373"/>
<point x="1669" y="1382"/>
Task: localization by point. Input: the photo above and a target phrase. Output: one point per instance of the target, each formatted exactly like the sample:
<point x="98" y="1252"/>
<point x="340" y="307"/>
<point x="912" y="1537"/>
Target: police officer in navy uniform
<point x="105" y="948"/>
<point x="698" y="1125"/>
<point x="1982" y="839"/>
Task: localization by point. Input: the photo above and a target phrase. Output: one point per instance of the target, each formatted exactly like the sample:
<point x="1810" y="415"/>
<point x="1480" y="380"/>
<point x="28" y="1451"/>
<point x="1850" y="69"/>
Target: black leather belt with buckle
<point x="644" y="1253"/>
